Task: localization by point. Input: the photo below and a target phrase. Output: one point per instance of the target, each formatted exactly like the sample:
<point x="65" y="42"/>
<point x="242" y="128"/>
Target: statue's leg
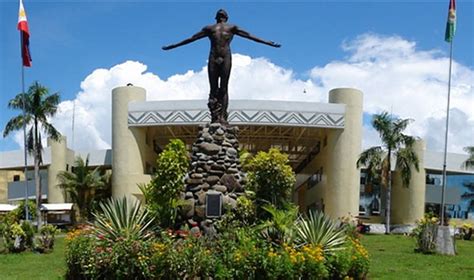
<point x="224" y="94"/>
<point x="213" y="75"/>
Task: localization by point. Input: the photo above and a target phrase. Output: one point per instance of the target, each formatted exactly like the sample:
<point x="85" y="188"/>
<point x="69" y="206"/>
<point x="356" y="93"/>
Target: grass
<point x="29" y="265"/>
<point x="392" y="257"/>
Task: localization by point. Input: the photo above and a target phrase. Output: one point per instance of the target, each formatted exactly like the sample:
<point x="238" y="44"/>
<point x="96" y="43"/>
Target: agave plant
<point x="123" y="218"/>
<point x="319" y="229"/>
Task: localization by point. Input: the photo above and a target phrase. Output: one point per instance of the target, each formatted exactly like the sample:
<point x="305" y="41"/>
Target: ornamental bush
<point x="240" y="254"/>
<point x="425" y="234"/>
<point x="271" y="178"/>
<point x="162" y="194"/>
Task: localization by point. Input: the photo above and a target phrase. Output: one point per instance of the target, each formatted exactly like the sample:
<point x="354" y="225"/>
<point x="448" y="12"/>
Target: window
<point x="67" y="167"/>
<point x="315" y="178"/>
<point x="16" y="178"/>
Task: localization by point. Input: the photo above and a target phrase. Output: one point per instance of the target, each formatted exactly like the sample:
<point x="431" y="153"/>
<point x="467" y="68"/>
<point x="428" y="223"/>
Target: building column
<point x="344" y="147"/>
<point x="408" y="203"/>
<point x="127" y="144"/>
<point x="58" y="163"/>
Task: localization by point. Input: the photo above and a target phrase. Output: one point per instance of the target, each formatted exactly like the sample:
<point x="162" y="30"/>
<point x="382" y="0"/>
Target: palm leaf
<point x="469" y="163"/>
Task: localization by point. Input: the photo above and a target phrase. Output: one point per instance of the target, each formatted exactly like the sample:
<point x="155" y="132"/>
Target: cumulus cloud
<point x="410" y="83"/>
<point x="92" y="106"/>
<point x="393" y="74"/>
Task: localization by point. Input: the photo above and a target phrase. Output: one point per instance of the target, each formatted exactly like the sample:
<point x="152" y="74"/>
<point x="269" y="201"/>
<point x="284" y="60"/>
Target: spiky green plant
<point x="123" y="218"/>
<point x="279" y="228"/>
<point x="319" y="229"/>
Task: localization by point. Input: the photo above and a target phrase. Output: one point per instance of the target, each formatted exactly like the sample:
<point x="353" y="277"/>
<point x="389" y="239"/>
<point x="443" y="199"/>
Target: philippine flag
<point x="25" y="36"/>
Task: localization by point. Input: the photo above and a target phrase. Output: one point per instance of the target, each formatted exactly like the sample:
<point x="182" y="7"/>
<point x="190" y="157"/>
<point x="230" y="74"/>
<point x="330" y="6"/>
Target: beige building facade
<point x="323" y="141"/>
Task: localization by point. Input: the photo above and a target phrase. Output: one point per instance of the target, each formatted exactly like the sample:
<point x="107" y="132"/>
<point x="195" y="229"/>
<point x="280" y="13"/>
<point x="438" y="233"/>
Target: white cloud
<point x="391" y="72"/>
<point x="410" y="83"/>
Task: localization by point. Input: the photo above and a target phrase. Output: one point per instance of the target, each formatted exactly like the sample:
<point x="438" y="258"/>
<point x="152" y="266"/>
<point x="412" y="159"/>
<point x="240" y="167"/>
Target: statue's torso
<point x="221" y="35"/>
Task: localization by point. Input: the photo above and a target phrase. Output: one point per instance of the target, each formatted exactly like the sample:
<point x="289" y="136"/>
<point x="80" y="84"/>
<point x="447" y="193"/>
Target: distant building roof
<point x="97" y="157"/>
<point x="7" y="207"/>
<point x="56" y="206"/>
<point x="454" y="162"/>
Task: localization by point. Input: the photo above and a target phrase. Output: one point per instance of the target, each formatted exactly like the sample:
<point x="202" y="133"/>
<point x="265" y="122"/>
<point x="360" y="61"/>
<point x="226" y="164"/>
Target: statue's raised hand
<point x="275" y="45"/>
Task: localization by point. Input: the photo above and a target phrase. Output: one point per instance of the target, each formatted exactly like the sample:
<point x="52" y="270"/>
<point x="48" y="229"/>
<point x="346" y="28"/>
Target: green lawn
<point x="34" y="266"/>
<point x="392" y="257"/>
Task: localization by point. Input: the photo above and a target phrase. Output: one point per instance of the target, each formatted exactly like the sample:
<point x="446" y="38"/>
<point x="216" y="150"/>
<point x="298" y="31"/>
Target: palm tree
<point x="39" y="106"/>
<point x="469" y="163"/>
<point x="81" y="185"/>
<point x="377" y="159"/>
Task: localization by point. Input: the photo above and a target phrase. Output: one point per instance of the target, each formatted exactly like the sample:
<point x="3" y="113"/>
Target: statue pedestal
<point x="215" y="179"/>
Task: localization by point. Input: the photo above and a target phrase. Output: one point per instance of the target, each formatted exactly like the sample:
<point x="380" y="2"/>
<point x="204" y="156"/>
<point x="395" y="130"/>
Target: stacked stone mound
<point x="215" y="167"/>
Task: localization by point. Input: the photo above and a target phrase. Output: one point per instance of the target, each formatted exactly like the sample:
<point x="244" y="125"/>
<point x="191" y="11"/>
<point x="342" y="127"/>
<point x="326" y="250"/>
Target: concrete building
<point x="323" y="141"/>
<point x="56" y="157"/>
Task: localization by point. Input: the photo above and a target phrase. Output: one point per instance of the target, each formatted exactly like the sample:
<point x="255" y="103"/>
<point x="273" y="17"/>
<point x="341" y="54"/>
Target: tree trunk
<point x="37" y="156"/>
<point x="389" y="194"/>
<point x="38" y="190"/>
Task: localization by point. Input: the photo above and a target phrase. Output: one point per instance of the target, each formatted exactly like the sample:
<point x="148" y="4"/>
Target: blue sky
<point x="71" y="39"/>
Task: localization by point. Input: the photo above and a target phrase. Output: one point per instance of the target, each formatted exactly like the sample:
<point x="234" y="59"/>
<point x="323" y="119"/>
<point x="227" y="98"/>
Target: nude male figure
<point x="220" y="61"/>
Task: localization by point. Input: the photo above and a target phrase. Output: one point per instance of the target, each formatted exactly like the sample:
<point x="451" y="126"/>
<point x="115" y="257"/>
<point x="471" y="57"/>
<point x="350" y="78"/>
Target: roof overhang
<point x="296" y="128"/>
<point x="56" y="207"/>
<point x="241" y="112"/>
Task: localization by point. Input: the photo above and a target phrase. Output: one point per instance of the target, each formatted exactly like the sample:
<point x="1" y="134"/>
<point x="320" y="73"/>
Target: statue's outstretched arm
<point x="245" y="34"/>
<point x="201" y="34"/>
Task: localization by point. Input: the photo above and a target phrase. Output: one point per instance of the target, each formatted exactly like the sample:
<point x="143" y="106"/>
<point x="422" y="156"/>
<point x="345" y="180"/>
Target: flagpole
<point x="443" y="190"/>
<point x="73" y="115"/>
<point x="24" y="125"/>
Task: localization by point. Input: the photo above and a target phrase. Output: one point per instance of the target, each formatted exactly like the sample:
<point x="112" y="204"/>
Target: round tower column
<point x="58" y="163"/>
<point x="344" y="147"/>
<point x="127" y="143"/>
<point x="408" y="202"/>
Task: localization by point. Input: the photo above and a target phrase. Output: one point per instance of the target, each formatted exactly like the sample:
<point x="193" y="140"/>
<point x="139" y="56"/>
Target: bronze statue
<point x="220" y="60"/>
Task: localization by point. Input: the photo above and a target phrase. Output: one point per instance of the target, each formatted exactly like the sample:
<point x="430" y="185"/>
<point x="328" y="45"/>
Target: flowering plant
<point x="466" y="231"/>
<point x="425" y="234"/>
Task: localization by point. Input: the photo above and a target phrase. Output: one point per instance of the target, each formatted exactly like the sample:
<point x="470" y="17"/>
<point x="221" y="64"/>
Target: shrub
<point x="239" y="254"/>
<point x="279" y="229"/>
<point x="271" y="178"/>
<point x="119" y="246"/>
<point x="466" y="231"/>
<point x="242" y="216"/>
<point x="19" y="212"/>
<point x="29" y="231"/>
<point x="46" y="239"/>
<point x="425" y="234"/>
<point x="14" y="237"/>
<point x="162" y="193"/>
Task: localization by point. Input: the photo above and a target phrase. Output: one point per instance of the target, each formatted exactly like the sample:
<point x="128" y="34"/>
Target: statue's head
<point x="221" y="15"/>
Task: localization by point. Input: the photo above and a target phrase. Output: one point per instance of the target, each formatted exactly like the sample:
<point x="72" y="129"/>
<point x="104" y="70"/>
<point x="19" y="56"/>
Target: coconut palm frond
<point x="469" y="163"/>
<point x="406" y="159"/>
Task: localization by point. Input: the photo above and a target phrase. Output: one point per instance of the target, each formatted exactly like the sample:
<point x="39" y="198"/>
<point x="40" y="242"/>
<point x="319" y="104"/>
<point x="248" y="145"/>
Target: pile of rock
<point x="215" y="168"/>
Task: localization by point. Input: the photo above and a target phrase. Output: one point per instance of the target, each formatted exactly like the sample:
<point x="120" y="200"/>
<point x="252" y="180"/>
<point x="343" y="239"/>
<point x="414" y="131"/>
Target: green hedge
<point x="235" y="255"/>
